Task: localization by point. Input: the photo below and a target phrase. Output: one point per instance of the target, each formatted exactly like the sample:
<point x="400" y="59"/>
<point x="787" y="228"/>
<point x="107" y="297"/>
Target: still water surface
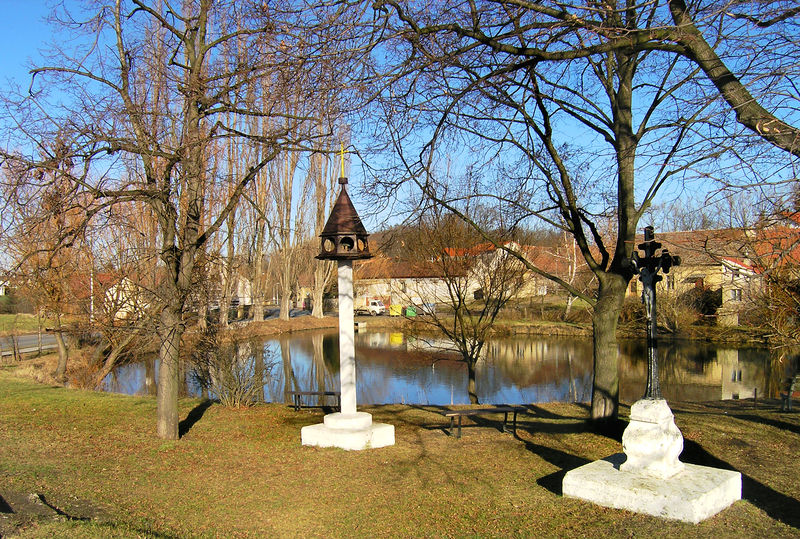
<point x="393" y="368"/>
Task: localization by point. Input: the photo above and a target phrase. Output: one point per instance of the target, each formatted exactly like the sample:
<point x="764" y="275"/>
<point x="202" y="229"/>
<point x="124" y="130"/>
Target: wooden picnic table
<point x="298" y="395"/>
<point x="505" y="410"/>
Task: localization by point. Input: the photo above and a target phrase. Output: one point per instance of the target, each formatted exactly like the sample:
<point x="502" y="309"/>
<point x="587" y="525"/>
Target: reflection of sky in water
<point x="391" y="369"/>
<point x="128" y="378"/>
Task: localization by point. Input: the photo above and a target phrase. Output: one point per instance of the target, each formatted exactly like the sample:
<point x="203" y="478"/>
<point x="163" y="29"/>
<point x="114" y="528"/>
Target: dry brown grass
<point x="243" y="473"/>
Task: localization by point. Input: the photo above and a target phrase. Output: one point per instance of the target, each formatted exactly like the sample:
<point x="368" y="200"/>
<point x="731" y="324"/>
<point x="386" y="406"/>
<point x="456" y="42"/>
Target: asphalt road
<point x="27" y="343"/>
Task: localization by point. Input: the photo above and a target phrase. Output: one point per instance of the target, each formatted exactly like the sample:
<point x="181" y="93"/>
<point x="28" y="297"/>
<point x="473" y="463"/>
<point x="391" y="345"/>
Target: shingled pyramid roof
<point x="343" y="219"/>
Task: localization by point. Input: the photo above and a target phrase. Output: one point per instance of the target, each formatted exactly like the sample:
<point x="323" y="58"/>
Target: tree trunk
<point x="258" y="307"/>
<point x="605" y="388"/>
<point x="39" y="330"/>
<point x="321" y="274"/>
<point x="317" y="303"/>
<point x="568" y="307"/>
<point x="202" y="316"/>
<point x="258" y="271"/>
<point x="471" y="385"/>
<point x="63" y="353"/>
<point x="171" y="330"/>
<point x="286" y="296"/>
<point x="111" y="360"/>
<point x="15" y="353"/>
<point x="225" y="301"/>
<point x="613" y="283"/>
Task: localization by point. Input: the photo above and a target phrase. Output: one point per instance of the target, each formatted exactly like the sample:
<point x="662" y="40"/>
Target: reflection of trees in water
<point x="150" y="375"/>
<point x="400" y="374"/>
<point x="273" y="386"/>
<point x="259" y="365"/>
<point x="290" y="382"/>
<point x="517" y="369"/>
<point x="692" y="371"/>
<point x="233" y="372"/>
<point x="558" y="369"/>
<point x="321" y="372"/>
<point x="783" y="364"/>
<point x="308" y="363"/>
<point x="139" y="378"/>
<point x="513" y="370"/>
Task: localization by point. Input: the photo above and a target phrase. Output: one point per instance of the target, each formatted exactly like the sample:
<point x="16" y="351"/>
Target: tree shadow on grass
<point x="544" y="413"/>
<point x="193" y="417"/>
<point x="556" y="457"/>
<point x="776" y="504"/>
<point x="783" y="425"/>
<point x="4" y="507"/>
<point x="438" y="410"/>
<point x="60" y="512"/>
<point x="563" y="460"/>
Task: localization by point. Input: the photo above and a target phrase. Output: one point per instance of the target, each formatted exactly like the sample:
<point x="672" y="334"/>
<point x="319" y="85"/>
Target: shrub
<point x="632" y="311"/>
<point x="703" y="300"/>
<point x="674" y="314"/>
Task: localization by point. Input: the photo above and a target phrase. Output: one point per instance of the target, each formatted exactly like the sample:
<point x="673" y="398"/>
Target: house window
<point x="736" y="294"/>
<point x="734" y="274"/>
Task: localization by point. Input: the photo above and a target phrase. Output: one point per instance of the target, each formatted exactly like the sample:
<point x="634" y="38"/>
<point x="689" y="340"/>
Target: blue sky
<point x="22" y="33"/>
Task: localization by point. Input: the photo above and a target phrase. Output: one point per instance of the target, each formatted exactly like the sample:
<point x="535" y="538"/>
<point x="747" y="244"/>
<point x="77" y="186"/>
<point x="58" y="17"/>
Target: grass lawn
<point x="19" y="323"/>
<point x="93" y="460"/>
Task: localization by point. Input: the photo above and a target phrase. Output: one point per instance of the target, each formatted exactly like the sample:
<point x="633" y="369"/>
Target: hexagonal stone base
<point x="348" y="431"/>
<point x="692" y="495"/>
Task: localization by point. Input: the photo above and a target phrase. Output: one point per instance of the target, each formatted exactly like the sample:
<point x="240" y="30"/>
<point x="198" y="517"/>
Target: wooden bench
<point x="505" y="410"/>
<point x="297" y="398"/>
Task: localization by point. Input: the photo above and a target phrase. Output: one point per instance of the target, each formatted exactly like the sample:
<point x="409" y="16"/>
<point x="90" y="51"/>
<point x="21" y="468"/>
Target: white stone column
<point x="348" y="429"/>
<point x="347" y="349"/>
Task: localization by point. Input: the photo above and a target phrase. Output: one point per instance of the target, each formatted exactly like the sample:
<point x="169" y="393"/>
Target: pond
<point x="395" y="368"/>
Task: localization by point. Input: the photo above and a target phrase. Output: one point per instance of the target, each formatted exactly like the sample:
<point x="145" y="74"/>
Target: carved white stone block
<point x="652" y="442"/>
<point x="648" y="478"/>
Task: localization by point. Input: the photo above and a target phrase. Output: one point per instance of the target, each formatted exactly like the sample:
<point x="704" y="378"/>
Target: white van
<point x="372" y="307"/>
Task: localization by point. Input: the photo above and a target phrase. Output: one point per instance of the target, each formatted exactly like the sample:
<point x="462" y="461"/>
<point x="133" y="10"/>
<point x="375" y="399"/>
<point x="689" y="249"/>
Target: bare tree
<point x="289" y="225"/>
<point x="147" y="91"/>
<point x="256" y="224"/>
<point x="577" y="115"/>
<point x="477" y="280"/>
<point x="773" y="289"/>
<point x="44" y="242"/>
<point x="323" y="174"/>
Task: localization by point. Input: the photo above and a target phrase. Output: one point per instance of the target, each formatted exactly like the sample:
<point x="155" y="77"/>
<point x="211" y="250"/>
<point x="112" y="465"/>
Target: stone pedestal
<point x="348" y="431"/>
<point x="648" y="478"/>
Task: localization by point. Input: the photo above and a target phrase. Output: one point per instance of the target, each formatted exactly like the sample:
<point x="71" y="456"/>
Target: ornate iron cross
<point x="647" y="267"/>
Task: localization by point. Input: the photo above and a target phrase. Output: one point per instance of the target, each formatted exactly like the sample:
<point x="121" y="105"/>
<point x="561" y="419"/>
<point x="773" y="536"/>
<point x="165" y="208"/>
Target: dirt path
<point x="20" y="510"/>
